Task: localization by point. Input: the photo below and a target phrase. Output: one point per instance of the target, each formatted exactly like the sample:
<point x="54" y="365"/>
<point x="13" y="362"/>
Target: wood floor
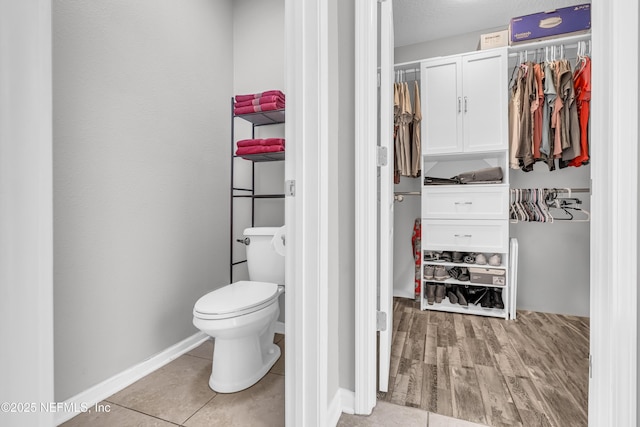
<point x="532" y="371"/>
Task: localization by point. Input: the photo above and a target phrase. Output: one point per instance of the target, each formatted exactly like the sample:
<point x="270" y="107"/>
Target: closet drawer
<point x="465" y="202"/>
<point x="466" y="236"/>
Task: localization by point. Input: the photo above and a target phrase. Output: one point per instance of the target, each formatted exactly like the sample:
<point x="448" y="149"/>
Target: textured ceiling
<point x="417" y="21"/>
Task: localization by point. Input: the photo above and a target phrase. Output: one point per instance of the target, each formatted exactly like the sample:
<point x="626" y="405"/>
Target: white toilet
<point x="242" y="316"/>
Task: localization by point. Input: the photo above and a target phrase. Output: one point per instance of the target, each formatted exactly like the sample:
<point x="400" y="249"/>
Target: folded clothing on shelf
<point x="264" y="141"/>
<point x="259" y="101"/>
<point x="252" y="96"/>
<point x="257" y="149"/>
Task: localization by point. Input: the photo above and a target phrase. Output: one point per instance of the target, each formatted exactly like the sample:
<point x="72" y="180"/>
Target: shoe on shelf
<point x="487" y="300"/>
<point x="495" y="260"/>
<point x="497" y="298"/>
<point x="455" y="272"/>
<point x="476" y="293"/>
<point x="470" y="258"/>
<point x="428" y="272"/>
<point x="464" y="274"/>
<point x="451" y="293"/>
<point x="439" y="293"/>
<point x="440" y="273"/>
<point x="430" y="289"/>
<point x="446" y="257"/>
<point x="458" y="257"/>
<point x="481" y="259"/>
<point x="461" y="293"/>
<point x="431" y="256"/>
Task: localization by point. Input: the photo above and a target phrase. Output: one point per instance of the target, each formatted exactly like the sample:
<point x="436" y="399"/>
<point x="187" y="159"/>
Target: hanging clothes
<point x="582" y="82"/>
<point x="415" y="141"/>
<point x="396" y="135"/>
<point x="546" y="116"/>
<point x="404" y="133"/>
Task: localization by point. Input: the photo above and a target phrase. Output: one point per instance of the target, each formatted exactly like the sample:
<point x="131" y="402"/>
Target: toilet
<point x="241" y="316"/>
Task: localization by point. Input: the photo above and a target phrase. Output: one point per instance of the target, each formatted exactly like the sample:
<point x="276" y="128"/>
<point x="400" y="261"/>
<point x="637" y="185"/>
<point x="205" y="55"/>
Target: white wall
<point x="346" y="193"/>
<point x="26" y="255"/>
<point x="141" y="175"/>
<point x="258" y="65"/>
<point x="553" y="271"/>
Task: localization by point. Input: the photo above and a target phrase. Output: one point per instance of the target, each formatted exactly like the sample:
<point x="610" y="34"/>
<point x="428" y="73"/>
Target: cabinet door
<point x="484" y="101"/>
<point x="442" y="106"/>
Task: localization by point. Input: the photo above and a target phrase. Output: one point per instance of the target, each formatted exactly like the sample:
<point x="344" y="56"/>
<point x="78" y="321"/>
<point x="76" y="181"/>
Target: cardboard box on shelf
<point x="495" y="39"/>
<point x="545" y="25"/>
<point x="487" y="276"/>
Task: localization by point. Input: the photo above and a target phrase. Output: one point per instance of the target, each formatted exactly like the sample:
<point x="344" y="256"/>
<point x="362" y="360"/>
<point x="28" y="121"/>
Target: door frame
<point x="614" y="226"/>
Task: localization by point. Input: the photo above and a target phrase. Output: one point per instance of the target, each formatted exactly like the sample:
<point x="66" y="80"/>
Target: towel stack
<point x="256" y="102"/>
<point x="258" y="146"/>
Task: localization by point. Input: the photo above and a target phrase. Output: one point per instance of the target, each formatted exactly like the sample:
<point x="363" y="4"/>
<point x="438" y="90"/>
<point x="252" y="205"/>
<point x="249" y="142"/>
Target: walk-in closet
<point x="491" y="227"/>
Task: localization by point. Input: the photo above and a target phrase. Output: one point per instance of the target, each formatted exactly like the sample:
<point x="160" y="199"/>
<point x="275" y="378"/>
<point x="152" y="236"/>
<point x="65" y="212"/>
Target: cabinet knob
<point x="459" y="104"/>
<point x="462" y="203"/>
<point x="466" y="104"/>
<point x="462" y="235"/>
<point x="245" y="241"/>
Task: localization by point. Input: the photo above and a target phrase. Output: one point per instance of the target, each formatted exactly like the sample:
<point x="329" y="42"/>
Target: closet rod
<point x="567" y="42"/>
<point x="407" y="193"/>
<point x="561" y="190"/>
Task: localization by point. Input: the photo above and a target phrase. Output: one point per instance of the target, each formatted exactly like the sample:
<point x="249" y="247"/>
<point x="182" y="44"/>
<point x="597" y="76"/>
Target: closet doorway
<point x="609" y="308"/>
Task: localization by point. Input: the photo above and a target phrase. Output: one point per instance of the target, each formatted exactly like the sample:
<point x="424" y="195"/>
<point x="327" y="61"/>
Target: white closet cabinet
<point x="464" y="100"/>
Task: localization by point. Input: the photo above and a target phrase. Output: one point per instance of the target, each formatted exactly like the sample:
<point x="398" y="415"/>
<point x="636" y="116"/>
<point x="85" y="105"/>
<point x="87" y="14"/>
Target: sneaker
<point x="464" y="275"/>
<point x="455" y="272"/>
<point x="458" y="257"/>
<point x="481" y="259"/>
<point x="431" y="256"/>
<point x="495" y="260"/>
<point x="446" y="257"/>
<point x="470" y="258"/>
<point x="428" y="272"/>
<point x="440" y="273"/>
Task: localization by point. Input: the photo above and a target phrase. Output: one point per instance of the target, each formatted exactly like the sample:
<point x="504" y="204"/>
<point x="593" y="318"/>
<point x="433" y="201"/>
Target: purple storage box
<point x="549" y="24"/>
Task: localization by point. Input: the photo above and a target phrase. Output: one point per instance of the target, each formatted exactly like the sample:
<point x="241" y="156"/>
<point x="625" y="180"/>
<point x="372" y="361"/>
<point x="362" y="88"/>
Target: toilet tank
<point x="265" y="264"/>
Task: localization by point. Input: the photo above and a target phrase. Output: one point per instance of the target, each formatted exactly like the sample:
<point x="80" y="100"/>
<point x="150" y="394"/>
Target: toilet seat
<point x="236" y="299"/>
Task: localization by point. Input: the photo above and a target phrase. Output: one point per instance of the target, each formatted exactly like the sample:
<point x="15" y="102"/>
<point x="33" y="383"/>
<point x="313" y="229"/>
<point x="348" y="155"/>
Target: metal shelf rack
<point x="263" y="118"/>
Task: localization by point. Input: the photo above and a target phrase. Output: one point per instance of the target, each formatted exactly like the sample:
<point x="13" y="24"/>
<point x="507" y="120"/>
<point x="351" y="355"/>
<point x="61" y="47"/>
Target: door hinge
<point x="590" y="366"/>
<point x="381" y="321"/>
<point x="382" y="156"/>
<point x="290" y="187"/>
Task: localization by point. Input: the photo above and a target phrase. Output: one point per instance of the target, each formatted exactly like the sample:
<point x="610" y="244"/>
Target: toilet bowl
<point x="241" y="316"/>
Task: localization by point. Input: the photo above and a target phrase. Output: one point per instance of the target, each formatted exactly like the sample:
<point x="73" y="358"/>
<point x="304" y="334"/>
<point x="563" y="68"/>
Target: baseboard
<point x="279" y="327"/>
<point x="348" y="401"/>
<point x="343" y="401"/>
<point x="99" y="392"/>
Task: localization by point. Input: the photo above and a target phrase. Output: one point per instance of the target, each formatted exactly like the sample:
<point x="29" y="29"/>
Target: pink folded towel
<point x="262" y="142"/>
<point x="251" y="96"/>
<point x="257" y="149"/>
<point x="259" y="101"/>
<point x="257" y="108"/>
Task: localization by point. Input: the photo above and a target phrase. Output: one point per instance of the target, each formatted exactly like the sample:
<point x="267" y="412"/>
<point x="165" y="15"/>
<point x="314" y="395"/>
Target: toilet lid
<point x="236" y="298"/>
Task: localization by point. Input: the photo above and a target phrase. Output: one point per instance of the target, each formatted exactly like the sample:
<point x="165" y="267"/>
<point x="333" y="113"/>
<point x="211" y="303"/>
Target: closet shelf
<point x="445" y="305"/>
<point x="262" y="118"/>
<point x="462" y="264"/>
<point x="460" y="282"/>
<point x="476" y="155"/>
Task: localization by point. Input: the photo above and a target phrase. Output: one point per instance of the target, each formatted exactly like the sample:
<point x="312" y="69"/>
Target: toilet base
<point x="221" y="386"/>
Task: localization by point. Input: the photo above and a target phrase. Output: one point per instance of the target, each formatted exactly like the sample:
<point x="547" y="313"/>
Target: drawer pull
<point x="462" y="203"/>
<point x="462" y="235"/>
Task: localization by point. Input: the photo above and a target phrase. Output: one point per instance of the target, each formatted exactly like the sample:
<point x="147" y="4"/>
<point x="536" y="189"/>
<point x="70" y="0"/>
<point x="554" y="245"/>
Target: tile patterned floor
<point x="178" y="395"/>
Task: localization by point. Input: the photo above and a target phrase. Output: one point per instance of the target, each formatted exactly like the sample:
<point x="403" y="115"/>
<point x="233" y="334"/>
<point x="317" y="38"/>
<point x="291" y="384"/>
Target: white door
<point x="385" y="293"/>
<point x="485" y="124"/>
<point x="442" y="108"/>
